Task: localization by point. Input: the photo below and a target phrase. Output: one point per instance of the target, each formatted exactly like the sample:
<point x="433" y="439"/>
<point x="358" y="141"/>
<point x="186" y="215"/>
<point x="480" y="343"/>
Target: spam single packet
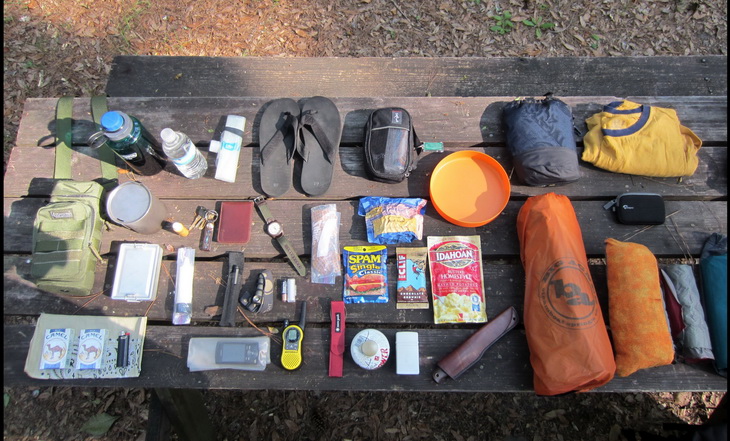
<point x="366" y="274"/>
<point x="411" y="284"/>
<point x="56" y="348"/>
<point x="457" y="283"/>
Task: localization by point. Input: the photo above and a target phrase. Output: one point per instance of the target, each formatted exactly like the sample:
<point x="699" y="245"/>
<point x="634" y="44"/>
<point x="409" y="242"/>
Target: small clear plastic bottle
<point x="183" y="153"/>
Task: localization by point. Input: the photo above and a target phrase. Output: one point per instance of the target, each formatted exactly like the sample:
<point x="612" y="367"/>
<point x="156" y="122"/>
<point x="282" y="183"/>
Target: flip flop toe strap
<point x="290" y="125"/>
<point x="307" y="120"/>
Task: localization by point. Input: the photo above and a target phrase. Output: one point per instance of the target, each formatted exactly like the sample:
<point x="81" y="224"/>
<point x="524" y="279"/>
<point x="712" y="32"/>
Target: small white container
<point x="370" y="349"/>
<point x="182" y="313"/>
<point x="137" y="272"/>
<point x="228" y="148"/>
<point x="406" y="353"/>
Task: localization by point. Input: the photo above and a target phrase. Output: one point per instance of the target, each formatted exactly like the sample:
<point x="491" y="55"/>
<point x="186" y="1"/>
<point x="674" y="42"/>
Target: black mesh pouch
<point x="391" y="145"/>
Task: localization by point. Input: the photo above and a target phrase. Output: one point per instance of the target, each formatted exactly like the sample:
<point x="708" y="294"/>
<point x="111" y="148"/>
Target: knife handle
<point x="472" y="349"/>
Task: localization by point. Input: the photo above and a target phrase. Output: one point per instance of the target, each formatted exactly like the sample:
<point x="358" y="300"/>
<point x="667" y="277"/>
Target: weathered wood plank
<point x="504" y="285"/>
<point x="504" y="368"/>
<point x="690" y="222"/>
<point x="457" y="121"/>
<point x="152" y="76"/>
<point x="29" y="173"/>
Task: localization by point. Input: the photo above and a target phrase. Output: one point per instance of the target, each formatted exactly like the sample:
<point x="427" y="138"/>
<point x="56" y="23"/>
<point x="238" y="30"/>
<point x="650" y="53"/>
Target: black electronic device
<point x="236" y="353"/>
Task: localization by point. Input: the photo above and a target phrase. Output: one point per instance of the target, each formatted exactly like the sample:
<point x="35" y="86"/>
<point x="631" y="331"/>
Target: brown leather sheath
<point x="469" y="352"/>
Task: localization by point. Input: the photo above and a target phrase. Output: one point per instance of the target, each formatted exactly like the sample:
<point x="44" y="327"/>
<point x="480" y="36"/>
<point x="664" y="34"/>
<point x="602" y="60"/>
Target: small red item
<point x="337" y="337"/>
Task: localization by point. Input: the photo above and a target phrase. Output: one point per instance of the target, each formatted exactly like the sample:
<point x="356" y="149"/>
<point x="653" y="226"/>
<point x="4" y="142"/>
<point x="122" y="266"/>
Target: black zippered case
<point x="391" y="145"/>
<point x="638" y="208"/>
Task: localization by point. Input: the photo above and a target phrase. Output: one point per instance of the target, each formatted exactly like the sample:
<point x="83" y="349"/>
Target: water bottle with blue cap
<point x="126" y="136"/>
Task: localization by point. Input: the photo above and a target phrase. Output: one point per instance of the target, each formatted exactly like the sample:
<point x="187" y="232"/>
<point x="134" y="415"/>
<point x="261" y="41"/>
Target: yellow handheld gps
<point x="291" y="352"/>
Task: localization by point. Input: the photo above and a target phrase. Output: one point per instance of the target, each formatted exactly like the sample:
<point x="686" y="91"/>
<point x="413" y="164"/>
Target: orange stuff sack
<point x="566" y="334"/>
<point x="641" y="336"/>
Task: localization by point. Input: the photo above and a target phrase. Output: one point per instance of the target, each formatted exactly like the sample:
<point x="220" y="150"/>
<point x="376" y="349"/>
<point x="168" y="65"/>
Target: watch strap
<point x="264" y="209"/>
<point x="292" y="254"/>
<point x="337" y="337"/>
<point x="471" y="350"/>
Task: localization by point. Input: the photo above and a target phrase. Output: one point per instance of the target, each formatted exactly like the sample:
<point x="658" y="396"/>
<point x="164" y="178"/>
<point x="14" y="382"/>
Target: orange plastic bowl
<point x="469" y="188"/>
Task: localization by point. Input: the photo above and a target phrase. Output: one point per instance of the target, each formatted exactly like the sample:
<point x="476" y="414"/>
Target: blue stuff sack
<point x="392" y="220"/>
<point x="541" y="138"/>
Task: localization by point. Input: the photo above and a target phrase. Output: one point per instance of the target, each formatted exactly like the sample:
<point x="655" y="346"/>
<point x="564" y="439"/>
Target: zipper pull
<point x="610" y="204"/>
<point x="95" y="253"/>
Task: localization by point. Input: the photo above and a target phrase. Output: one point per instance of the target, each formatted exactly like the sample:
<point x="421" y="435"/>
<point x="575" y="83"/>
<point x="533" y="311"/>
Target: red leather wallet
<point x="337" y="337"/>
<point x="234" y="225"/>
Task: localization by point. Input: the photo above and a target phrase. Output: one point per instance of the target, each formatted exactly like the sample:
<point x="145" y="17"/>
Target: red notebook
<point x="235" y="222"/>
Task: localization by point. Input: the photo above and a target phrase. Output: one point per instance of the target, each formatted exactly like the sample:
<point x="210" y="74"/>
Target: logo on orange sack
<point x="567" y="295"/>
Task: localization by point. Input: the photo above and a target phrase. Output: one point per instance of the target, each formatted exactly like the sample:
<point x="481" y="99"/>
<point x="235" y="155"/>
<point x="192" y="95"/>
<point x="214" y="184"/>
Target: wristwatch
<point x="274" y="229"/>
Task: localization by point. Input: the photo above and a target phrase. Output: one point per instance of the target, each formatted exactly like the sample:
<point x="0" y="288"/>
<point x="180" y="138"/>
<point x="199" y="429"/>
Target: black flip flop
<point x="277" y="133"/>
<point x="320" y="131"/>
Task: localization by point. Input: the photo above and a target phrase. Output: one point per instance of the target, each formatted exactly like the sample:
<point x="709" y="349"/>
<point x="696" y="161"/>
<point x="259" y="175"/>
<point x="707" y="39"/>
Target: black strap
<point x="290" y="125"/>
<point x="308" y="120"/>
<point x="64" y="138"/>
<point x="106" y="155"/>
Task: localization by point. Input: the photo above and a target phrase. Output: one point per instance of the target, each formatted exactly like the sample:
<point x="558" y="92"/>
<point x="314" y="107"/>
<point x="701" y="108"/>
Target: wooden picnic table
<point x="697" y="204"/>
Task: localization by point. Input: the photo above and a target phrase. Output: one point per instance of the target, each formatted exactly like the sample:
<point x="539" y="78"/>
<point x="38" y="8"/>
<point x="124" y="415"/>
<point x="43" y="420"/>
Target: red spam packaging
<point x="457" y="284"/>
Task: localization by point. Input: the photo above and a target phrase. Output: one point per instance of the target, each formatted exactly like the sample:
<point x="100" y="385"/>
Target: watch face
<point x="274" y="228"/>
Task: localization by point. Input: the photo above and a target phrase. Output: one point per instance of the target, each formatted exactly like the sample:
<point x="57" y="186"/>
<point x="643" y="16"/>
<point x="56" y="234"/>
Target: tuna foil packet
<point x="457" y="282"/>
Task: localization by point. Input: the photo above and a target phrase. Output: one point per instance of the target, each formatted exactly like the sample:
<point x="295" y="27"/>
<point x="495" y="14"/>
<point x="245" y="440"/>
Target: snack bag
<point x="457" y="285"/>
<point x="366" y="274"/>
<point x="392" y="220"/>
<point x="568" y="341"/>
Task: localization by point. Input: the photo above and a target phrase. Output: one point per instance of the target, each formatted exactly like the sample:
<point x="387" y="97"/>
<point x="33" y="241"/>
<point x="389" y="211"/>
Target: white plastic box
<point x="138" y="272"/>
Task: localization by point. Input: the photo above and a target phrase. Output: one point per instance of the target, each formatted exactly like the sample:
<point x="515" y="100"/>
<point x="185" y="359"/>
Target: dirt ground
<point x="65" y="47"/>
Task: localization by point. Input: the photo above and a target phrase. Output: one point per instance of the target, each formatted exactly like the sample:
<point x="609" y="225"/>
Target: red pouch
<point x="566" y="334"/>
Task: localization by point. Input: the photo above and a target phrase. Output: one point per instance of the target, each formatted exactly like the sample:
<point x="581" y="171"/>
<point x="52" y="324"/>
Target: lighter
<point x="123" y="349"/>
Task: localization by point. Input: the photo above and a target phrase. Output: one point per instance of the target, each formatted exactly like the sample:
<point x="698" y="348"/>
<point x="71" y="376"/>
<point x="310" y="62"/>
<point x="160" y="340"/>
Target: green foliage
<point x="6" y="400"/>
<point x="539" y="25"/>
<point x="596" y="42"/>
<point x="99" y="424"/>
<point x="504" y="23"/>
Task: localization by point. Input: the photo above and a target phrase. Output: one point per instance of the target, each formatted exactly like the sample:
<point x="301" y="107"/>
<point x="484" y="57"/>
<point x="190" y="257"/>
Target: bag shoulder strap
<point x="64" y="141"/>
<point x="64" y="113"/>
<point x="106" y="155"/>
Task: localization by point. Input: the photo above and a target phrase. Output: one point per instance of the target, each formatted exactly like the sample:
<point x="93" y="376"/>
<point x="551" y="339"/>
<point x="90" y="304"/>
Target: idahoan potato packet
<point x="457" y="283"/>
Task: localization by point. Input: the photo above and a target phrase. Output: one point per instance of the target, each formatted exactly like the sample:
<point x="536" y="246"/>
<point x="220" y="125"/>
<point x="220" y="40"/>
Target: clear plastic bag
<point x="240" y="353"/>
<point x="325" y="244"/>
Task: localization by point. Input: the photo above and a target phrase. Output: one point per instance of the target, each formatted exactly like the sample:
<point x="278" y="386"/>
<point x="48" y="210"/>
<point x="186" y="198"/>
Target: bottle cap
<point x="169" y="136"/>
<point x="112" y="121"/>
